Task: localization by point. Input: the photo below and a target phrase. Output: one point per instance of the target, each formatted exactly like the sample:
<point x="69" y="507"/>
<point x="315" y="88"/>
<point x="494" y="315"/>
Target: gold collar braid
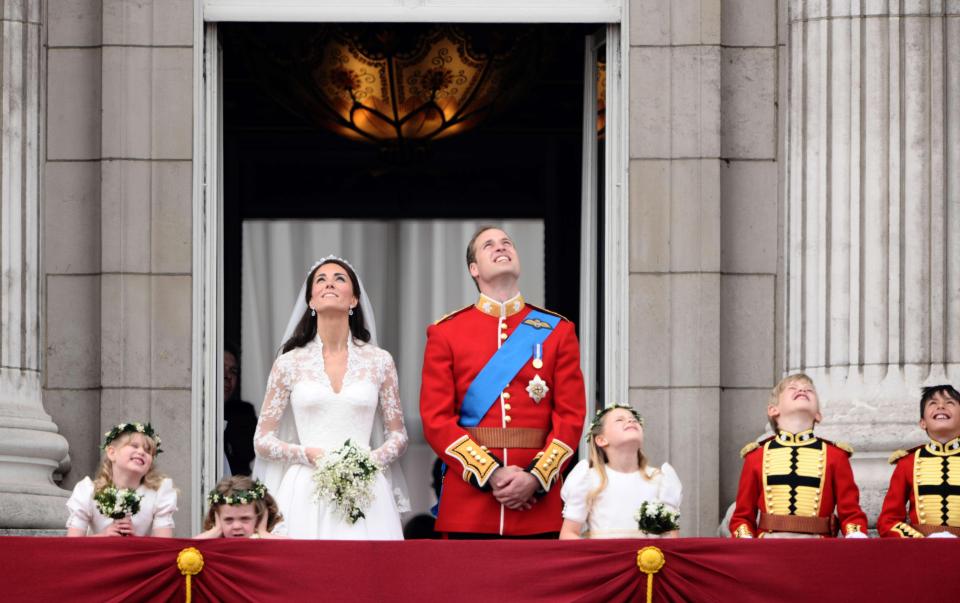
<point x="796" y="439"/>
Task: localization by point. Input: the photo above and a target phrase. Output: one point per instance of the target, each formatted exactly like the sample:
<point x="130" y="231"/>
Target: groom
<point x="502" y="401"/>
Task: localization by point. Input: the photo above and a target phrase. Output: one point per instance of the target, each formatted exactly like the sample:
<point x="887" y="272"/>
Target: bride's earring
<point x="350" y="313"/>
<point x="312" y="312"/>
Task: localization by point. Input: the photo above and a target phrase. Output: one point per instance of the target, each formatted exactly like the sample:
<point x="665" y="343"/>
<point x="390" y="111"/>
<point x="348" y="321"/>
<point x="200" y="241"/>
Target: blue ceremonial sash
<point x="504" y="366"/>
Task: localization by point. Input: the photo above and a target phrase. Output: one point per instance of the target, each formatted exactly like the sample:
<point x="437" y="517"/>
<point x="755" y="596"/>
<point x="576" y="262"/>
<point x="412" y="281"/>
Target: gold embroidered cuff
<point x="852" y="528"/>
<point x="742" y="531"/>
<point x="475" y="459"/>
<point x="547" y="464"/>
<point x="905" y="530"/>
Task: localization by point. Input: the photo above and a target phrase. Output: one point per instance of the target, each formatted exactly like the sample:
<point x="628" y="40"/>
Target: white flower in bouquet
<point x="345" y="478"/>
<point x="117" y="503"/>
<point x="656" y="518"/>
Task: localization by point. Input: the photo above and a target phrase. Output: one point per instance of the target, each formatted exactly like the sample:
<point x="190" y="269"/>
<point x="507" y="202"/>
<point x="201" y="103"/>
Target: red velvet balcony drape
<point x="697" y="569"/>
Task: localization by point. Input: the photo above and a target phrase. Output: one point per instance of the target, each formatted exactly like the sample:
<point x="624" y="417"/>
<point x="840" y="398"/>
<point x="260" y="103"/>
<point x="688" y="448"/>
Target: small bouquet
<point x="117" y="503"/>
<point x="656" y="518"/>
<point x="345" y="478"/>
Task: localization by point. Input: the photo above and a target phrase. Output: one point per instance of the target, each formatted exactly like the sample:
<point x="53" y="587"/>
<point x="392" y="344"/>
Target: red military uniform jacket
<point x="538" y="435"/>
<point x="797" y="475"/>
<point x="924" y="490"/>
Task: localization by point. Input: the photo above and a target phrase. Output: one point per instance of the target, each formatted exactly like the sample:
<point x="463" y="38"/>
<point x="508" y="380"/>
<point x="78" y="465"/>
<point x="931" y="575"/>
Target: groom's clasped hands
<point x="514" y="488"/>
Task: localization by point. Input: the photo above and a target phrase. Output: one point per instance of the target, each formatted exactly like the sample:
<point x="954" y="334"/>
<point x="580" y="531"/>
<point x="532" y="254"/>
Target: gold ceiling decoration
<point x="402" y="83"/>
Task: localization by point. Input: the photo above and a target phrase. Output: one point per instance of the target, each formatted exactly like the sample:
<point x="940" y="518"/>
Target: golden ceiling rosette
<point x="399" y="83"/>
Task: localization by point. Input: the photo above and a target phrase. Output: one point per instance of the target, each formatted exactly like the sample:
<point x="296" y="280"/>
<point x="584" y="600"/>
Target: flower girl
<point x="241" y="507"/>
<point x="614" y="494"/>
<point x="128" y="496"/>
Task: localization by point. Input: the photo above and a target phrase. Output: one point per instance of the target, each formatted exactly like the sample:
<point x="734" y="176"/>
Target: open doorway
<point x="601" y="293"/>
<point x="289" y="182"/>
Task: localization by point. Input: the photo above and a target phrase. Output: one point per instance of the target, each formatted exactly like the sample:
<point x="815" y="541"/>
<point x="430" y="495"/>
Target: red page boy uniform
<point x="926" y="481"/>
<point x="795" y="481"/>
<point x="501" y="386"/>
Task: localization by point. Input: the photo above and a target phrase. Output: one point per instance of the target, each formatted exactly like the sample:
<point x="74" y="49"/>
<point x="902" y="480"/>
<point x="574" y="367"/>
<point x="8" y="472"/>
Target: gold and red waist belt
<point x="513" y="437"/>
<point x="928" y="528"/>
<point x="794" y="523"/>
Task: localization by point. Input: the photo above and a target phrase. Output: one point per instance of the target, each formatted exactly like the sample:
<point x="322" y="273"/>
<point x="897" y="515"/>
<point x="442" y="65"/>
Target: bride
<point x="331" y="383"/>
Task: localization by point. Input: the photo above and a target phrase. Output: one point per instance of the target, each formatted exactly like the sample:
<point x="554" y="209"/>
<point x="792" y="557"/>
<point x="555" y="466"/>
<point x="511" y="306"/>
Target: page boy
<point x="794" y="479"/>
<point x="924" y="494"/>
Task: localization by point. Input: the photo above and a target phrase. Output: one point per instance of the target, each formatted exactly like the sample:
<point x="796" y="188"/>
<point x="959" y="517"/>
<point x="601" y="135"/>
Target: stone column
<point x="675" y="292"/>
<point x="30" y="447"/>
<point x="873" y="212"/>
<point x="118" y="227"/>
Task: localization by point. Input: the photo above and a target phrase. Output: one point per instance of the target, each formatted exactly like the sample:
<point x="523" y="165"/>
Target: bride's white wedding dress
<point x="324" y="418"/>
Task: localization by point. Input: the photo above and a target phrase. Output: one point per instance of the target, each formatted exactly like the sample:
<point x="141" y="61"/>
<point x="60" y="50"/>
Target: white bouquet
<point x="345" y="478"/>
<point x="117" y="503"/>
<point x="656" y="518"/>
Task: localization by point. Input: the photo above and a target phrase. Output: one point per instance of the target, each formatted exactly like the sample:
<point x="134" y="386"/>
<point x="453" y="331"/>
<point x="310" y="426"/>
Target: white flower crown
<point x="595" y="423"/>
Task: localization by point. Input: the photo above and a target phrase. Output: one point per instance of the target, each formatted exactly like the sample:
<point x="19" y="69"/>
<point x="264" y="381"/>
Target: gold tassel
<point x="189" y="562"/>
<point x="649" y="561"/>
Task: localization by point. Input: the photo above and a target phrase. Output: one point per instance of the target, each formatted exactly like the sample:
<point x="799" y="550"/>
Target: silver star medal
<point x="537" y="388"/>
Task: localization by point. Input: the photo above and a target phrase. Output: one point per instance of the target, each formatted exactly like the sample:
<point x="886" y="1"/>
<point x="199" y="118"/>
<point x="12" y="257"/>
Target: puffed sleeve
<point x="81" y="505"/>
<point x="166" y="505"/>
<point x="671" y="491"/>
<point x="574" y="492"/>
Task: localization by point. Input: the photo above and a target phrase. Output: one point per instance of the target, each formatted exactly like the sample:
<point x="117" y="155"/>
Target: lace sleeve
<point x="394" y="431"/>
<point x="275" y="401"/>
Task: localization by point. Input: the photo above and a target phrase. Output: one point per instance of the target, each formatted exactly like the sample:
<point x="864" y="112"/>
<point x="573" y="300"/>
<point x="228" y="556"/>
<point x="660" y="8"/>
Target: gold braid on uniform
<point x="478" y="463"/>
<point x="935" y="470"/>
<point x="546" y="465"/>
<point x="793" y="472"/>
<point x="905" y="530"/>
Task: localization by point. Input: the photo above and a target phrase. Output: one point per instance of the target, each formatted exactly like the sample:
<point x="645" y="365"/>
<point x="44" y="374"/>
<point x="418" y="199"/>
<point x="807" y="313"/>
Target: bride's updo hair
<point x="307" y="327"/>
